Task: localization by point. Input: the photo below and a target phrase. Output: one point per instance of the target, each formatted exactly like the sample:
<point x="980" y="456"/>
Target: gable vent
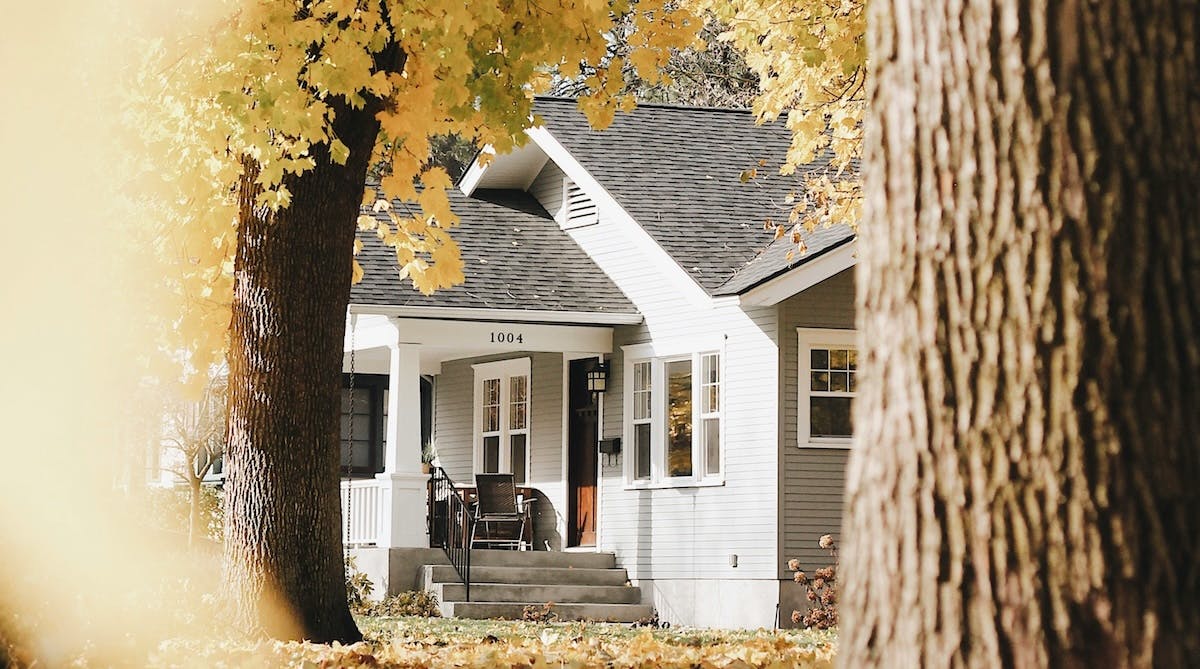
<point x="578" y="208"/>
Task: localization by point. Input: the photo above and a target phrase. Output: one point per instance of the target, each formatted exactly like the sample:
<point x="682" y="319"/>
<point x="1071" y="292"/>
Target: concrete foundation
<point x="395" y="570"/>
<point x="721" y="603"/>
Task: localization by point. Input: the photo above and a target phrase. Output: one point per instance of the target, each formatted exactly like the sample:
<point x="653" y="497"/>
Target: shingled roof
<point x="515" y="257"/>
<point x="677" y="171"/>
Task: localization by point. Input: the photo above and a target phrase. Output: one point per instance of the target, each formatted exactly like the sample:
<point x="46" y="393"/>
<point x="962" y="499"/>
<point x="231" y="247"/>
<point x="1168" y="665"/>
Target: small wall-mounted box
<point x="610" y="446"/>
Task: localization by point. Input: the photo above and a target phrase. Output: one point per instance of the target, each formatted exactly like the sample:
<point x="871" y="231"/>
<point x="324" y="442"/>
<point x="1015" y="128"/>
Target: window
<point x="827" y="386"/>
<point x="363" y="455"/>
<point x="502" y="418"/>
<point x="673" y="411"/>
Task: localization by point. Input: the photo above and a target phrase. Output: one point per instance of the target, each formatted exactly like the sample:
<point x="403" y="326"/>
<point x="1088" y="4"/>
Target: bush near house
<point x="820" y="590"/>
<point x="170" y="507"/>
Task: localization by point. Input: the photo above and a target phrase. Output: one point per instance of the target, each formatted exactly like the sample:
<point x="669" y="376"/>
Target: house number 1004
<point x="508" y="338"/>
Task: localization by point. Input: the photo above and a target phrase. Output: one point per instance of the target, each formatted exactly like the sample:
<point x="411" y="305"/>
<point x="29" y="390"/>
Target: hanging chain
<point x="350" y="435"/>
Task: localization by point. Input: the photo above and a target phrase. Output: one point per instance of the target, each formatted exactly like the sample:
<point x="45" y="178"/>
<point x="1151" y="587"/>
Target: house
<point x="730" y="365"/>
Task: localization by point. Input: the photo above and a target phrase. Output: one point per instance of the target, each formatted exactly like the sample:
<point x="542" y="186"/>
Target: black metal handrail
<point x="449" y="524"/>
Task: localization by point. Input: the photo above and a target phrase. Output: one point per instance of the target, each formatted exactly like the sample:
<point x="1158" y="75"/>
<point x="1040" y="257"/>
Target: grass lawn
<point x="414" y="630"/>
<point x="409" y="641"/>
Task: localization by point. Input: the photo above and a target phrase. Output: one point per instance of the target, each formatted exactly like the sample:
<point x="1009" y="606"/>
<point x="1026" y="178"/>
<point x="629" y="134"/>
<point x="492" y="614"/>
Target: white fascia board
<point x="365" y="330"/>
<point x="802" y="278"/>
<point x="499" y="315"/>
<point x="577" y="173"/>
<point x="489" y="338"/>
<point x="474" y="173"/>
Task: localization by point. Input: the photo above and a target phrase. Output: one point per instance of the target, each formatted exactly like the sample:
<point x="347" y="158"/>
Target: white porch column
<point x="403" y="484"/>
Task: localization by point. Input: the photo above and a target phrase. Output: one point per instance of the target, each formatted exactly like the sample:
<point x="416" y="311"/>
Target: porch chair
<point x="497" y="509"/>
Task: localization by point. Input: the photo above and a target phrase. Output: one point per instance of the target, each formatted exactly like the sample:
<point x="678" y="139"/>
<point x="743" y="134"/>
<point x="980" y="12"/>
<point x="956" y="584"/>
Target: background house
<point x="731" y="363"/>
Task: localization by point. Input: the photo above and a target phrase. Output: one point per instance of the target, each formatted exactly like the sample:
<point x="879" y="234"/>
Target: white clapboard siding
<point x="455" y="431"/>
<point x="547" y="188"/>
<point x="563" y="198"/>
<point x="813" y="478"/>
<point x="688" y="532"/>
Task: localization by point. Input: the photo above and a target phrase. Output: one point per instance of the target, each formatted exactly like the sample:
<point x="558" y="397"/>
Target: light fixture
<point x="597" y="378"/>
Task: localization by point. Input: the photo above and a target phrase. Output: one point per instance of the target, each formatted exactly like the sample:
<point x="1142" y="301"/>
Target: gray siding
<point x="454" y="432"/>
<point x="812" y="479"/>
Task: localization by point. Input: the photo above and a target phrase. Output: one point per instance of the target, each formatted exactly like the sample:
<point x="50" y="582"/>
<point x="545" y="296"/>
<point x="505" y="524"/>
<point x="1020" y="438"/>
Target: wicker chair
<point x="497" y="510"/>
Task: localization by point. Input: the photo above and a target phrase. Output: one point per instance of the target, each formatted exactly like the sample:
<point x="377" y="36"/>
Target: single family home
<point x="670" y="383"/>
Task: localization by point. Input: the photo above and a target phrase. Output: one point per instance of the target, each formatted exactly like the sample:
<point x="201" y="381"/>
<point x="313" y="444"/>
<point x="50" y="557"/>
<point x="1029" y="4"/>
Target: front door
<point x="582" y="467"/>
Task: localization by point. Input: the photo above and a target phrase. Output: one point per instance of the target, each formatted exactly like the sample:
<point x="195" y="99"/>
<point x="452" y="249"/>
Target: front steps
<point x="582" y="586"/>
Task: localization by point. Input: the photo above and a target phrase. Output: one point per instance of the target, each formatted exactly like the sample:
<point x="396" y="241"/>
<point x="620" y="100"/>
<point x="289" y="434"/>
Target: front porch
<point x="488" y="395"/>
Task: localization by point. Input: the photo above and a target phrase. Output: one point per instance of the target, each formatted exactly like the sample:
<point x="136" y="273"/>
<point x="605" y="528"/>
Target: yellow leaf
<point x="339" y="152"/>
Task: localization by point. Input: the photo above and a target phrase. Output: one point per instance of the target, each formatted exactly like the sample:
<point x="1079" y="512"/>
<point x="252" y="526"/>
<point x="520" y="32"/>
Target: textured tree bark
<point x="1026" y="486"/>
<point x="283" y="550"/>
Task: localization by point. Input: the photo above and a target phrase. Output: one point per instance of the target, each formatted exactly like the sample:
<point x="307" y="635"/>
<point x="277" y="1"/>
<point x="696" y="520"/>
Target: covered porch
<point x="487" y="396"/>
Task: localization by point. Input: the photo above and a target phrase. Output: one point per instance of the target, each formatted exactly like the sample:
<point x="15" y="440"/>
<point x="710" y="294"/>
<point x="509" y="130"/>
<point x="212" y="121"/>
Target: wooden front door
<point x="582" y="464"/>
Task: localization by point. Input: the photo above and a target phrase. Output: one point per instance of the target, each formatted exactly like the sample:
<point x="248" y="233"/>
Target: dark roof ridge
<point x="656" y="105"/>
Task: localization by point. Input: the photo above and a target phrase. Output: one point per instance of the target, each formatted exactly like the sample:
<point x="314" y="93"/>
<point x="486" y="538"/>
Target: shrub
<point x="540" y="614"/>
<point x="411" y="603"/>
<point x="170" y="509"/>
<point x="820" y="589"/>
<point x="358" y="586"/>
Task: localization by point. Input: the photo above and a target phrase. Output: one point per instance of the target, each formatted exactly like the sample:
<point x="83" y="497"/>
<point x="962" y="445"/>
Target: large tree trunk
<point x="1026" y="486"/>
<point x="283" y="550"/>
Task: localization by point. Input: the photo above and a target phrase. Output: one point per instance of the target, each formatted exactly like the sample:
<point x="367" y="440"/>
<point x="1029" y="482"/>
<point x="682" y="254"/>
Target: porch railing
<point x="362" y="522"/>
<point x="449" y="524"/>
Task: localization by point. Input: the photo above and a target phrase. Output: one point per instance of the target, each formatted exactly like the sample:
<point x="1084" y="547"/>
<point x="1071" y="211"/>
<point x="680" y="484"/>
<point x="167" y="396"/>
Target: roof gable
<point x="677" y="172"/>
<point x="514" y="255"/>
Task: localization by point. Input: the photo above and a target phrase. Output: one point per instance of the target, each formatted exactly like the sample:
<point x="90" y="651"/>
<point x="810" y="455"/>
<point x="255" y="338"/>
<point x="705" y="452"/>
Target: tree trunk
<point x="283" y="549"/>
<point x="1026" y="486"/>
<point x="193" y="511"/>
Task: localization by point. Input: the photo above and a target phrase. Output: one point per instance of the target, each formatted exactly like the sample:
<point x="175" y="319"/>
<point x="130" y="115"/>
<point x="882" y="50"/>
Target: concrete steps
<point x="582" y="586"/>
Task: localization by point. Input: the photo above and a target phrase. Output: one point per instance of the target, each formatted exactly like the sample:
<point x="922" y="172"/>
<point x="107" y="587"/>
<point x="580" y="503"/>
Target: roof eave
<point x="774" y="289"/>
<point x="500" y="315"/>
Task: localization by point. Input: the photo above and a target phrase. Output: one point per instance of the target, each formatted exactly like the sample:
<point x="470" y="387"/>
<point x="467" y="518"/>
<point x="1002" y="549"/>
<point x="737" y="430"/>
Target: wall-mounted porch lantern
<point x="597" y="378"/>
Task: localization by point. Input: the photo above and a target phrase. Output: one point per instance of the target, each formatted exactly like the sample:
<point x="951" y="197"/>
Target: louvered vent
<point x="578" y="208"/>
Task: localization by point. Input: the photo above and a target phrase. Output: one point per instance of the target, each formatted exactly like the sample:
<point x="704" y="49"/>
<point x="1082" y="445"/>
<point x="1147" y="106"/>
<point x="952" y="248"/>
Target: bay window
<point x="673" y="416"/>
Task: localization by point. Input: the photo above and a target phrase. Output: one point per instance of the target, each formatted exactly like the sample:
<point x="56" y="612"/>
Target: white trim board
<point x="504" y="337"/>
<point x="802" y="278"/>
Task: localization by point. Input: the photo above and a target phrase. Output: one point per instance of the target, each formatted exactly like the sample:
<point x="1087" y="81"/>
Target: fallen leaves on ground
<point x="467" y="644"/>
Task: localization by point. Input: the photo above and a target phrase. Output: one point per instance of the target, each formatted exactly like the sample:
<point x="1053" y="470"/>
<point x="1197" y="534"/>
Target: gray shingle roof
<point x="774" y="261"/>
<point x="515" y="257"/>
<point x="677" y="171"/>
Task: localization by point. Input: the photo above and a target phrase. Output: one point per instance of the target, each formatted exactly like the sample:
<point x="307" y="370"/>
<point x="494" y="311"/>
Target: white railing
<point x="362" y="523"/>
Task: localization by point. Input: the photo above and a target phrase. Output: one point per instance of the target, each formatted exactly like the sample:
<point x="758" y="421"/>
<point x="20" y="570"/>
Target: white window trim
<point x="503" y="370"/>
<point x="658" y="355"/>
<point x="807" y="339"/>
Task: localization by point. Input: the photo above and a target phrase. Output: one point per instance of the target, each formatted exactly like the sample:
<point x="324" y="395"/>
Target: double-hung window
<point x="673" y="423"/>
<point x="502" y="418"/>
<point x="828" y="361"/>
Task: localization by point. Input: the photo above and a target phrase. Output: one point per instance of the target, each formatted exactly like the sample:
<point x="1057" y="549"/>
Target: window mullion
<point x="658" y="420"/>
<point x="505" y="454"/>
